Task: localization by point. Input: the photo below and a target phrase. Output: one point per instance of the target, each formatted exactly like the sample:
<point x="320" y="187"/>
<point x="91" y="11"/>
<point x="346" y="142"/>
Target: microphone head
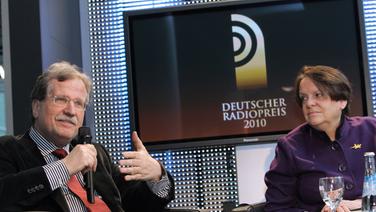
<point x="84" y="135"/>
<point x="83" y="131"/>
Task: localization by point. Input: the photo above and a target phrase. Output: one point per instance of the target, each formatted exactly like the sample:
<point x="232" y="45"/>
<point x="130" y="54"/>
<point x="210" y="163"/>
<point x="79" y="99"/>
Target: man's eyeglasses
<point x="63" y="101"/>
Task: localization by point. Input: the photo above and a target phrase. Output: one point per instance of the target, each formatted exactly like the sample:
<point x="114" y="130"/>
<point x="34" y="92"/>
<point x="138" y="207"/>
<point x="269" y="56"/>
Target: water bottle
<point x="369" y="185"/>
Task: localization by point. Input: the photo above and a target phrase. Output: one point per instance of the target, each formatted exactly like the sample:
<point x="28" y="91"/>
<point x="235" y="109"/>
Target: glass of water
<point x="331" y="190"/>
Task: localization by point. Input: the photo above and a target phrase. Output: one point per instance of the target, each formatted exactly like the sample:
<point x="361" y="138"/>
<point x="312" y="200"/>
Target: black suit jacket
<point x="24" y="185"/>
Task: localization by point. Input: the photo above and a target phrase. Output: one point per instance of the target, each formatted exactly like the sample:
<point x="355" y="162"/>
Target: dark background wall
<point x="40" y="32"/>
<point x="25" y="58"/>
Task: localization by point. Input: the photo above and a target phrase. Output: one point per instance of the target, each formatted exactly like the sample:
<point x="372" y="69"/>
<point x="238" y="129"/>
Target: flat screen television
<point x="223" y="72"/>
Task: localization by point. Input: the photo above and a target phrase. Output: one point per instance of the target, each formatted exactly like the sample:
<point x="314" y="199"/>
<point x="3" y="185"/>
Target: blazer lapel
<point x="30" y="152"/>
<point x="105" y="186"/>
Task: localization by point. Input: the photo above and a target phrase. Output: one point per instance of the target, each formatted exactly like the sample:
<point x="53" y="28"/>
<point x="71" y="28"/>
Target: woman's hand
<point x="345" y="206"/>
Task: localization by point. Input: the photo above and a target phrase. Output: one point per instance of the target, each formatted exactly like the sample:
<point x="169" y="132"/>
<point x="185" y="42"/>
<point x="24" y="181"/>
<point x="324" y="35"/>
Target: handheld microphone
<point x="84" y="137"/>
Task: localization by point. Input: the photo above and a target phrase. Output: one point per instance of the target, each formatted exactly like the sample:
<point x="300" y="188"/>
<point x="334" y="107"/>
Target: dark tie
<point x="75" y="187"/>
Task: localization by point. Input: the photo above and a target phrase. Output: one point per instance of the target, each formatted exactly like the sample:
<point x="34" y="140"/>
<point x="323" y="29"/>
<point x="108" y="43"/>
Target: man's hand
<point x="82" y="158"/>
<point x="138" y="164"/>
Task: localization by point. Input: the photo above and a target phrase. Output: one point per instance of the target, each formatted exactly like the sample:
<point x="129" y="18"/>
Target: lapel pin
<point x="356" y="146"/>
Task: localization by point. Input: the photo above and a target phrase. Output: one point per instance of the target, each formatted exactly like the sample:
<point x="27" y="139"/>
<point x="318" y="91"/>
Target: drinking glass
<point x="331" y="190"/>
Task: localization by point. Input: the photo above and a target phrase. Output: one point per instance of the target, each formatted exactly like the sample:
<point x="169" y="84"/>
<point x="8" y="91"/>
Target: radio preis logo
<point x="249" y="53"/>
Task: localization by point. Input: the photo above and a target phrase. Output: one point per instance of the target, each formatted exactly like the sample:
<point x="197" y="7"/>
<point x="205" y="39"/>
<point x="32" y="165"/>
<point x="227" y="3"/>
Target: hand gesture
<point x="138" y="164"/>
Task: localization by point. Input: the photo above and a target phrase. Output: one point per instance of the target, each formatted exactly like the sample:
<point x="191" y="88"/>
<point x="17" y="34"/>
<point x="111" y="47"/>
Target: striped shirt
<point x="58" y="175"/>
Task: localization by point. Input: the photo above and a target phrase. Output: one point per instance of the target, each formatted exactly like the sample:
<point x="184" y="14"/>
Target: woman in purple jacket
<point x="329" y="144"/>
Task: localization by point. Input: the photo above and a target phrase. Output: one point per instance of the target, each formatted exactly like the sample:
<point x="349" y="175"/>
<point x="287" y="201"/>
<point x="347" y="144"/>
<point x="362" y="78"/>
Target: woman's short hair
<point x="328" y="80"/>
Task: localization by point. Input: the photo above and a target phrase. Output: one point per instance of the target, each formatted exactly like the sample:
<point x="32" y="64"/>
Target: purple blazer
<point x="306" y="154"/>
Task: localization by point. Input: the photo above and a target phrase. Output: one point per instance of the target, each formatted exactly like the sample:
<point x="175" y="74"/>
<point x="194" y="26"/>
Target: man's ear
<point x="35" y="106"/>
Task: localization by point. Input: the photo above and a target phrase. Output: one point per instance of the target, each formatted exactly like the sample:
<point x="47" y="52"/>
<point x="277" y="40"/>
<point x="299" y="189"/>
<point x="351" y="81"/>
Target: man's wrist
<point x="162" y="172"/>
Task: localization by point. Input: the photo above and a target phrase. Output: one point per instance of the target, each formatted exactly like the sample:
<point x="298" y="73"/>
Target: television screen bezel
<point x="231" y="140"/>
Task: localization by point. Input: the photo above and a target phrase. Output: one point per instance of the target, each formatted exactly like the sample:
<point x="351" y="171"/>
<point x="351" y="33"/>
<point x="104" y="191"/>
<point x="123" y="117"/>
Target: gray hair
<point x="60" y="71"/>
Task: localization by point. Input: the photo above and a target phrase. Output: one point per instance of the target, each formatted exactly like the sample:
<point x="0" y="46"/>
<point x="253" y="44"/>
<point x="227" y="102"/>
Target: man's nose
<point x="70" y="108"/>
